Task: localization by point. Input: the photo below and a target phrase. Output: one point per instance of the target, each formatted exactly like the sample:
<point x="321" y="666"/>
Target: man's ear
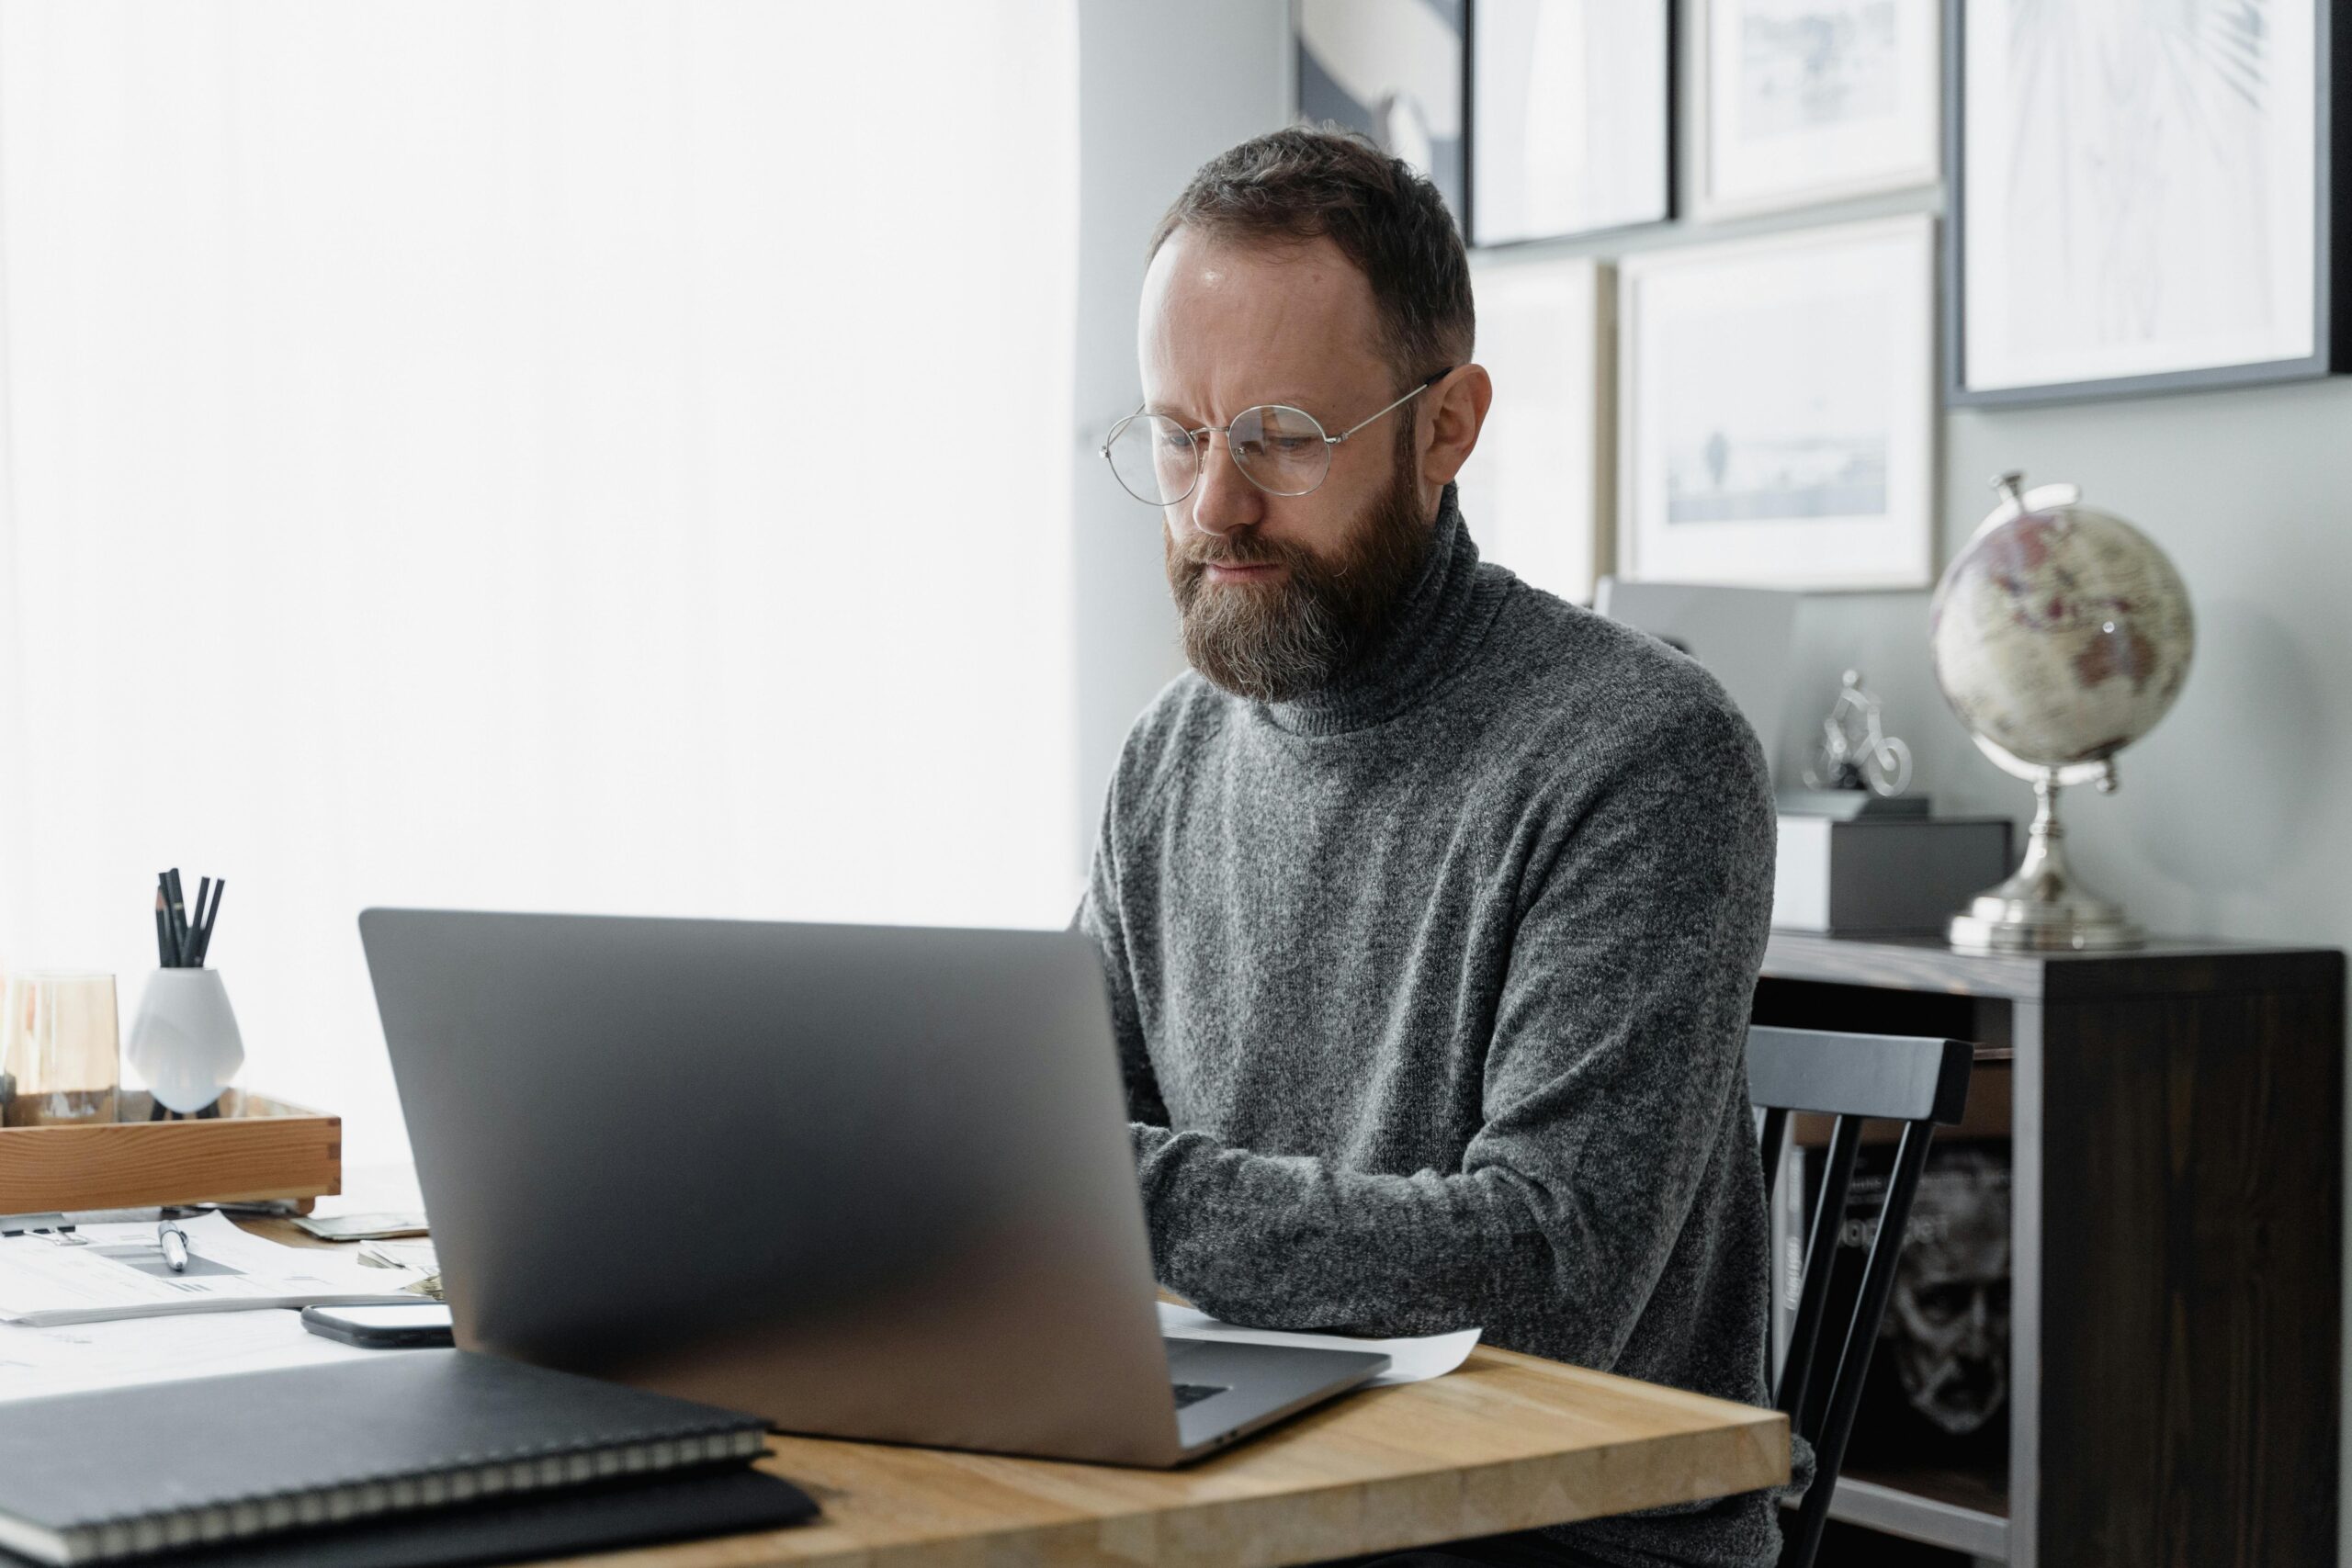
<point x="1454" y="423"/>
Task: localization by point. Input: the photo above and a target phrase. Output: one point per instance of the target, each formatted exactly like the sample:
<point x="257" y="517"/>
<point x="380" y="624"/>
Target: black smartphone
<point x="401" y="1327"/>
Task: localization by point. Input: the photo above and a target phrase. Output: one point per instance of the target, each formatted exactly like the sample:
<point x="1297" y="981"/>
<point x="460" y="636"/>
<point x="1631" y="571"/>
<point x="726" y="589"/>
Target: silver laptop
<point x="863" y="1181"/>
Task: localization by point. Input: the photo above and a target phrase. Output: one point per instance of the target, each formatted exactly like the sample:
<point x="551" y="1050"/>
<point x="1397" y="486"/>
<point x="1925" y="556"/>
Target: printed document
<point x="117" y="1271"/>
<point x="82" y="1357"/>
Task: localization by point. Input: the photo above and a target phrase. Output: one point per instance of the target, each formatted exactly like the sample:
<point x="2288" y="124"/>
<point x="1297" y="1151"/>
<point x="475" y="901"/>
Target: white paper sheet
<point x="116" y="1270"/>
<point x="78" y="1358"/>
<point x="414" y="1254"/>
<point x="1409" y="1360"/>
<point x="367" y="1187"/>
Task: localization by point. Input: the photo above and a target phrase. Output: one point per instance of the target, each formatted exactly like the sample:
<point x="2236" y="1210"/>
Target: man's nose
<point x="1224" y="499"/>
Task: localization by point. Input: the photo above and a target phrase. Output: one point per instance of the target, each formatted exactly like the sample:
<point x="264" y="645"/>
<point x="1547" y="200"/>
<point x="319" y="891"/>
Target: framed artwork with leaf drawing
<point x="2144" y="199"/>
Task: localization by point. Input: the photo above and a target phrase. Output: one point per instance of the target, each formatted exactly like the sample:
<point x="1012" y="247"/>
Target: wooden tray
<point x="258" y="1149"/>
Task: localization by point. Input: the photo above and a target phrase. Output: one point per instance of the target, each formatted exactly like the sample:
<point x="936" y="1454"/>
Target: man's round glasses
<point x="1281" y="450"/>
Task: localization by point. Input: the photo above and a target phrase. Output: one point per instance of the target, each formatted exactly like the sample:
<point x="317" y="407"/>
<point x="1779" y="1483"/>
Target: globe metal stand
<point x="2064" y="631"/>
<point x="2043" y="907"/>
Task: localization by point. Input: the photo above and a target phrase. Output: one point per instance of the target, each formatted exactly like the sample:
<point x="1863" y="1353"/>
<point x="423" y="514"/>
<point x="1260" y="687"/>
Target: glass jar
<point x="60" y="1048"/>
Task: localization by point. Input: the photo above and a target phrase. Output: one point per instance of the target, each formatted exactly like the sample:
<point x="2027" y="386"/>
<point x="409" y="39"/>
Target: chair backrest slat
<point x="1850" y="1077"/>
<point x="1834" y="1423"/>
<point x="1772" y="1139"/>
<point x="1895" y="1078"/>
<point x="1813" y="1303"/>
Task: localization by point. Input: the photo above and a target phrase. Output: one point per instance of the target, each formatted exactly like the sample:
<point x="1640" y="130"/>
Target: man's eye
<point x="1290" y="444"/>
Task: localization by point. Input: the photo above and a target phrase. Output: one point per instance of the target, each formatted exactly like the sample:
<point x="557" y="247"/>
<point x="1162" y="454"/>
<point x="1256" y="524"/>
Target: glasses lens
<point x="1281" y="449"/>
<point x="1155" y="458"/>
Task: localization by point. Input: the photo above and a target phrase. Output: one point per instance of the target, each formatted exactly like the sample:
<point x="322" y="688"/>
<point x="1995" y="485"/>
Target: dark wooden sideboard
<point x="2177" y="1120"/>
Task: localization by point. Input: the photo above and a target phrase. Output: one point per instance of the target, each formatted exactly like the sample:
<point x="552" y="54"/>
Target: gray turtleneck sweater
<point x="1431" y="992"/>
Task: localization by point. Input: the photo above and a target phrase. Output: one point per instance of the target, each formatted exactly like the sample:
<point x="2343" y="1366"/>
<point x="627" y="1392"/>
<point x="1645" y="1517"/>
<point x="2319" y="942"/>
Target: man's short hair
<point x="1307" y="182"/>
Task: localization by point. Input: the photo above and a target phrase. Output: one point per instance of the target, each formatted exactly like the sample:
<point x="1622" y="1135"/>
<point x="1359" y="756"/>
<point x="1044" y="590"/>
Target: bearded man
<point x="1430" y="904"/>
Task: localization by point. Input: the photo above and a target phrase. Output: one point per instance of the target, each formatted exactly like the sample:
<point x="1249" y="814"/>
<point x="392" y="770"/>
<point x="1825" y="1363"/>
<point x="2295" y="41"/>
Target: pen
<point x="174" y="1241"/>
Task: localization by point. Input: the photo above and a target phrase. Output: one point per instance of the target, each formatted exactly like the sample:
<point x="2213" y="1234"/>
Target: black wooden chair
<point x="1853" y="1077"/>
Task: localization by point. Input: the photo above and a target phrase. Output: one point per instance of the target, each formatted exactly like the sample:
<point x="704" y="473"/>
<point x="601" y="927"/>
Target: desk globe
<point x="2060" y="635"/>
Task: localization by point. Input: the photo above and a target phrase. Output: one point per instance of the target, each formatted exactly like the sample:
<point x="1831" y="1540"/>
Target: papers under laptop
<point x="1409" y="1360"/>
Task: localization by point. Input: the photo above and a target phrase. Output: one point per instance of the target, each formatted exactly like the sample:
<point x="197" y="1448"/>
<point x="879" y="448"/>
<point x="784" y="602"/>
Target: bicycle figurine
<point x="1854" y="751"/>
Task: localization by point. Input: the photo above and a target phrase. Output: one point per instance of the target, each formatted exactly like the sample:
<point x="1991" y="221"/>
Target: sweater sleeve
<point x="1102" y="916"/>
<point x="1617" y="1047"/>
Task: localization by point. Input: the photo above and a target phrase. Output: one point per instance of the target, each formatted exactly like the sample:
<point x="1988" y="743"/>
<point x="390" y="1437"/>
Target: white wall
<point x="435" y="470"/>
<point x="1161" y="91"/>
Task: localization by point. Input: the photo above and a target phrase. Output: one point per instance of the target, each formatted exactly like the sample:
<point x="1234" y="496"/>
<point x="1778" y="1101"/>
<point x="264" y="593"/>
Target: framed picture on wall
<point x="1392" y="69"/>
<point x="1535" y="494"/>
<point x="2142" y="198"/>
<point x="1777" y="410"/>
<point x="1805" y="101"/>
<point x="1571" y="117"/>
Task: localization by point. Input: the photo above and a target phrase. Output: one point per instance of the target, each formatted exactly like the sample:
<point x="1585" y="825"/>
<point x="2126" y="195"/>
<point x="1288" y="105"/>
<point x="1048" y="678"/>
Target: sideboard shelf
<point x="2175" y="1119"/>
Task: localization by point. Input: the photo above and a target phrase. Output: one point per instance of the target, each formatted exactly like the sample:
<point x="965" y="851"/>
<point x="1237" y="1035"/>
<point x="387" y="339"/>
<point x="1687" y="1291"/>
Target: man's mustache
<point x="1237" y="550"/>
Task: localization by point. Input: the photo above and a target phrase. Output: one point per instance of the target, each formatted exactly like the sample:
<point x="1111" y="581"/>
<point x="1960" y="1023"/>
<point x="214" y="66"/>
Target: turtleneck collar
<point x="1432" y="625"/>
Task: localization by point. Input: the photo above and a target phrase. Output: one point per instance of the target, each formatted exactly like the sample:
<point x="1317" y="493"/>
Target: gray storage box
<point x="1884" y="875"/>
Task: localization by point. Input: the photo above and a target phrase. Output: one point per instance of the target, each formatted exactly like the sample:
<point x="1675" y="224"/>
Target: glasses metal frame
<point x="1198" y="438"/>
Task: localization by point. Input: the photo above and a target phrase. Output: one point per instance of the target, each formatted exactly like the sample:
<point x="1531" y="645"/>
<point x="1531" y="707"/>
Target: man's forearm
<point x="1293" y="1242"/>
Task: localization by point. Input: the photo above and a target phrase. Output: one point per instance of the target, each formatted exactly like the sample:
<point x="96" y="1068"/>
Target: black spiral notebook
<point x="126" y="1472"/>
<point x="647" y="1511"/>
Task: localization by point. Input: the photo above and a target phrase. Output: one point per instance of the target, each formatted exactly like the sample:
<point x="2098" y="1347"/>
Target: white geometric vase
<point x="184" y="1041"/>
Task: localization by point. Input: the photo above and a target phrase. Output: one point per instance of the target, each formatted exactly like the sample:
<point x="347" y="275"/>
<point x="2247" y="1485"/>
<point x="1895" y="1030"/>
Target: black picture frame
<point x="1671" y="205"/>
<point x="2331" y="235"/>
<point x="1452" y="180"/>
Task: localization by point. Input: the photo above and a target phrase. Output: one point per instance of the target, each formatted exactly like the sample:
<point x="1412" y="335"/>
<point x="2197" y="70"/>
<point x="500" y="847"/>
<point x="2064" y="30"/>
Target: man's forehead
<point x="1298" y="312"/>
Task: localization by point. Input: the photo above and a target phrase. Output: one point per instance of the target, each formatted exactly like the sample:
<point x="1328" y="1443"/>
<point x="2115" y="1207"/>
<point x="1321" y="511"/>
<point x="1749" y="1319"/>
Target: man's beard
<point x="1292" y="636"/>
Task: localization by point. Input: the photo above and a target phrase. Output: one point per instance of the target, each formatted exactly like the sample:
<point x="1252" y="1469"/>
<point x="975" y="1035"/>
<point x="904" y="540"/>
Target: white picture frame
<point x="1536" y="492"/>
<point x="1777" y="410"/>
<point x="1803" y="102"/>
<point x="1571" y="117"/>
<point x="2187" y="235"/>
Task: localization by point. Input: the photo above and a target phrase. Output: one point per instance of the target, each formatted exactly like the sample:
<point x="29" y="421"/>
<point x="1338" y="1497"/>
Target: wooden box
<point x="256" y="1148"/>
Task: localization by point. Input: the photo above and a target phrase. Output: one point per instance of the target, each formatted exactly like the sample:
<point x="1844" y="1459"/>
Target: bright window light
<point x="568" y="454"/>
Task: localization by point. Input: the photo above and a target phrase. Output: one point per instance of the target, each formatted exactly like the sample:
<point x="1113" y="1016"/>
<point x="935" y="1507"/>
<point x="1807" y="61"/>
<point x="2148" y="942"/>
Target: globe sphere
<point x="2061" y="634"/>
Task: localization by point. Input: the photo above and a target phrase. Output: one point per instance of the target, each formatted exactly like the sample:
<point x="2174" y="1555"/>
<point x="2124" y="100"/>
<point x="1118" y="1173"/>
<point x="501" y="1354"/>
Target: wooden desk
<point x="1507" y="1443"/>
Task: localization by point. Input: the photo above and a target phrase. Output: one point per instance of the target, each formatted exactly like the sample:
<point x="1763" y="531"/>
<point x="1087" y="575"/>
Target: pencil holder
<point x="184" y="1041"/>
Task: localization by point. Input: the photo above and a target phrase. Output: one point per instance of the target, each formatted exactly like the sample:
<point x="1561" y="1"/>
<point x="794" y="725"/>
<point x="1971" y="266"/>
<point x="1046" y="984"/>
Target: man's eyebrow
<point x="1287" y="399"/>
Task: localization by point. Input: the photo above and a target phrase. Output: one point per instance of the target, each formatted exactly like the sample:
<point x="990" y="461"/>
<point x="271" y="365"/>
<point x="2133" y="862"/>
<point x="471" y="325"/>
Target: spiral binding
<point x="242" y="1518"/>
